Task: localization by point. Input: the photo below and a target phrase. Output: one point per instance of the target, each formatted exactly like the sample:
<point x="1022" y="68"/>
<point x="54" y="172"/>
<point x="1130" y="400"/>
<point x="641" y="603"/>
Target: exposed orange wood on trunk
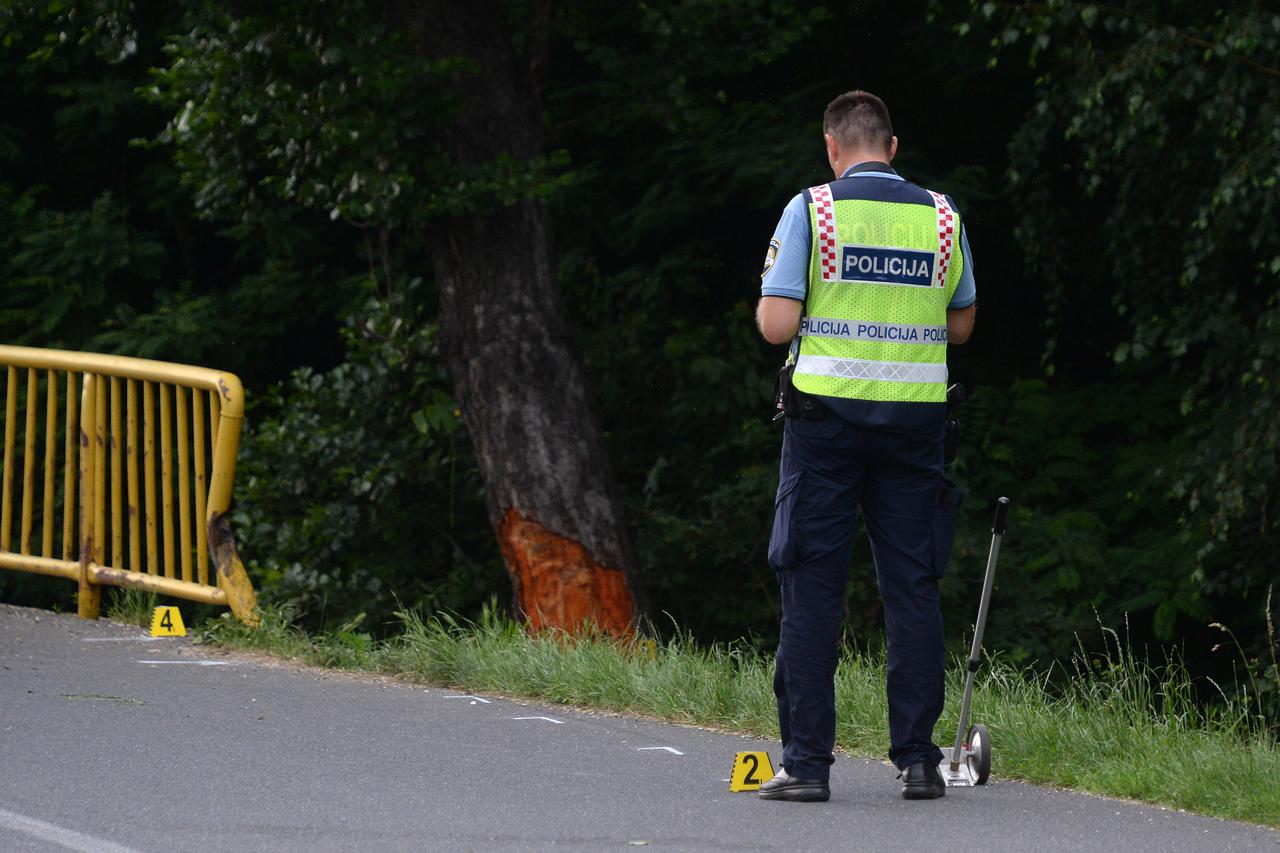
<point x="558" y="584"/>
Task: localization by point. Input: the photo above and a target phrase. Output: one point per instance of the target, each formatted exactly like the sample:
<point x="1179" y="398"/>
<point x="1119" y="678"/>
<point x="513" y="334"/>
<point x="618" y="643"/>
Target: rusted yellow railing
<point x="112" y="491"/>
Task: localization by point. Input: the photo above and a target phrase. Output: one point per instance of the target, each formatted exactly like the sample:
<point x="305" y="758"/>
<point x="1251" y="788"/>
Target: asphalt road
<point x="112" y="741"/>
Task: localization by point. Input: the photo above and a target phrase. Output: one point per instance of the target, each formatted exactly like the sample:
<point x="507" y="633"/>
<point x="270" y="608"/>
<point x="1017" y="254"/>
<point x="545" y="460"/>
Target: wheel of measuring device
<point x="979" y="757"/>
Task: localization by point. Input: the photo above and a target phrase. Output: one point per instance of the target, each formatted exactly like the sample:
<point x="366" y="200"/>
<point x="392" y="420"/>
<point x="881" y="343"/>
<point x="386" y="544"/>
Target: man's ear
<point x="833" y="150"/>
<point x="893" y="148"/>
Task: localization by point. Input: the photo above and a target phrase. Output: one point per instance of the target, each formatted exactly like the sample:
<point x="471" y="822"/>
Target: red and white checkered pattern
<point x="824" y="213"/>
<point x="946" y="236"/>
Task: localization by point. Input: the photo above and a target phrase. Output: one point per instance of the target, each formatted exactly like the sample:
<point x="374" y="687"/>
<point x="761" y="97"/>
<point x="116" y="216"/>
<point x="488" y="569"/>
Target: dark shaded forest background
<point x="245" y="189"/>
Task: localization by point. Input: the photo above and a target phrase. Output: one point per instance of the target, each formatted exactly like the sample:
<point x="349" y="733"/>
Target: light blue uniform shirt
<point x="790" y="252"/>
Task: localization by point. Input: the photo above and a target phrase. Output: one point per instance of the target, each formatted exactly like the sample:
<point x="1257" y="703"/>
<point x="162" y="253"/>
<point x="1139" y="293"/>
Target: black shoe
<point x="784" y="787"/>
<point x="922" y="781"/>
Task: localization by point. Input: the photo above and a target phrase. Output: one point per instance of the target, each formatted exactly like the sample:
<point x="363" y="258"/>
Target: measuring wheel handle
<point x="1002" y="514"/>
<point x="978" y="753"/>
<point x="974" y="748"/>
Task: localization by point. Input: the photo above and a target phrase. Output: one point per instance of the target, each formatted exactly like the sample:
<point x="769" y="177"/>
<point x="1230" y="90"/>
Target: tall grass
<point x="1115" y="725"/>
<point x="132" y="606"/>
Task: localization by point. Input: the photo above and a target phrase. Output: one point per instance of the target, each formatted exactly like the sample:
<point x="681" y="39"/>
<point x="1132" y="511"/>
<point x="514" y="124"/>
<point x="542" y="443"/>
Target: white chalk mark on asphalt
<point x="474" y="699"/>
<point x="190" y="662"/>
<point x="51" y="834"/>
<point x="548" y="719"/>
<point x="126" y="639"/>
<point x="667" y="748"/>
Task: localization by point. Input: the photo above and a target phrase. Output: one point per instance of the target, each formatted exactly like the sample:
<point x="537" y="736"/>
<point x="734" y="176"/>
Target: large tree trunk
<point x="518" y="378"/>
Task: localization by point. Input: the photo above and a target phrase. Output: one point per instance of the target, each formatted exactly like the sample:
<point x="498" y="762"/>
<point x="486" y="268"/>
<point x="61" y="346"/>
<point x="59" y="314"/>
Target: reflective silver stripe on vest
<point x="876" y="371"/>
<point x="861" y="330"/>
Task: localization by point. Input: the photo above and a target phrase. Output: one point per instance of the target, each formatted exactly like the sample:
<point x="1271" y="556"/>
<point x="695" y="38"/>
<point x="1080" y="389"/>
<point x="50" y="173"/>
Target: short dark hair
<point x="858" y="119"/>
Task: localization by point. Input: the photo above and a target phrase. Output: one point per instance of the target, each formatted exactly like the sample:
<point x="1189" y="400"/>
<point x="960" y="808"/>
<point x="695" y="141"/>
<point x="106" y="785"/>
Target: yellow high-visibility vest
<point x="885" y="263"/>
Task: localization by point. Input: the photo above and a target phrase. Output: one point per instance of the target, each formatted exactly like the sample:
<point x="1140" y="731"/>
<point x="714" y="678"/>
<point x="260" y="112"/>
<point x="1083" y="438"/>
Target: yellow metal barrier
<point x="108" y="450"/>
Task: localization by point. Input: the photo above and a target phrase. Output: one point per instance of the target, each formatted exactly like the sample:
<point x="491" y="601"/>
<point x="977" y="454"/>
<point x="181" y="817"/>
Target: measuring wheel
<point x="979" y="753"/>
<point x="973" y="751"/>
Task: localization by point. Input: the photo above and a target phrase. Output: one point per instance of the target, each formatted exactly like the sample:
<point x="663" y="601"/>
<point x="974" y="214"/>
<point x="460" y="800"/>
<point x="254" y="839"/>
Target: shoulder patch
<point x="771" y="256"/>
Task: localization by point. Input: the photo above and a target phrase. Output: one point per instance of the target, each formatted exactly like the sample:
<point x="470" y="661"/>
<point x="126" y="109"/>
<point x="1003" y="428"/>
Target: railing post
<point x="232" y="578"/>
<point x="89" y="598"/>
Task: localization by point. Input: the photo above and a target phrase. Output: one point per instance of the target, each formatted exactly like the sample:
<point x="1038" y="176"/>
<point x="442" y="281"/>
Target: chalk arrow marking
<point x="189" y="662"/>
<point x="474" y="699"/>
<point x="548" y="719"/>
<point x="667" y="748"/>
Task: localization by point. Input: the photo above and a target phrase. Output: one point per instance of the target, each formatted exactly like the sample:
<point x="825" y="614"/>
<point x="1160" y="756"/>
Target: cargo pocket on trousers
<point x="944" y="525"/>
<point x="784" y="545"/>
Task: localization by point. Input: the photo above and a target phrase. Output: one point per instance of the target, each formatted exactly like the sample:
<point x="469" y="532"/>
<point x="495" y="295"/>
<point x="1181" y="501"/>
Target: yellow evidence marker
<point x="167" y="622"/>
<point x="750" y="771"/>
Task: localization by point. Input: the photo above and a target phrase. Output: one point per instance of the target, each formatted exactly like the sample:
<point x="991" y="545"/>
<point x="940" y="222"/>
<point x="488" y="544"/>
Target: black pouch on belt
<point x="791" y="402"/>
<point x="784" y="393"/>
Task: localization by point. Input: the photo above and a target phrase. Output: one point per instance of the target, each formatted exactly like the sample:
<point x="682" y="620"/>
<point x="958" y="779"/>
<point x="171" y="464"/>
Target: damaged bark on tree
<point x="518" y="378"/>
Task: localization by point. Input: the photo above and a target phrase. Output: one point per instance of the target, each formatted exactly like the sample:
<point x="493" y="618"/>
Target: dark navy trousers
<point x="831" y="470"/>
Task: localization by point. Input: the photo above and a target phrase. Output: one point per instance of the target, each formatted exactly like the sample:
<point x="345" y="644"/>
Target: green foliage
<point x="132" y="606"/>
<point x="322" y="110"/>
<point x="104" y="27"/>
<point x="1162" y="119"/>
<point x="98" y="247"/>
<point x="272" y="225"/>
<point x="1079" y="548"/>
<point x="662" y="301"/>
<point x="330" y="108"/>
<point x="63" y="269"/>
<point x="357" y="489"/>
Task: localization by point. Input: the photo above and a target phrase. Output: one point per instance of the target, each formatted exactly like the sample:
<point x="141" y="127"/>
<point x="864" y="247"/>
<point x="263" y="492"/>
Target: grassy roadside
<point x="1120" y="728"/>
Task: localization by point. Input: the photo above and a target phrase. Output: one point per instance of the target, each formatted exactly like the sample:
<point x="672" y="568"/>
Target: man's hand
<point x="960" y="323"/>
<point x="778" y="318"/>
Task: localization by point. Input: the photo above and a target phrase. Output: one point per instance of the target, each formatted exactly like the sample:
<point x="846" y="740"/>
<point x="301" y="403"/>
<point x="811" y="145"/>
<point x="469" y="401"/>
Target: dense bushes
<point x="356" y="490"/>
<point x="1123" y="369"/>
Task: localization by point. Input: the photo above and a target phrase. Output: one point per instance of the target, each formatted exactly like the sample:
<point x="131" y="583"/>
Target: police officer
<point x="869" y="277"/>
